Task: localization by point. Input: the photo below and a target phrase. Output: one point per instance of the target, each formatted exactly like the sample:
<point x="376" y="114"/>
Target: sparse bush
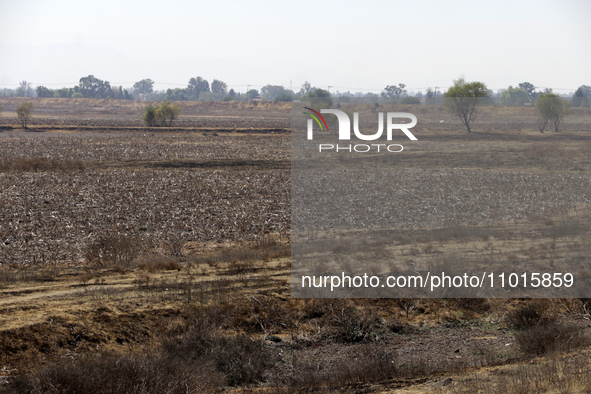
<point x="241" y="359"/>
<point x="161" y="115"/>
<point x="125" y="374"/>
<point x="543" y="339"/>
<point x="112" y="249"/>
<point x="534" y="314"/>
<point x="23" y="113"/>
<point x="150" y="115"/>
<point x="159" y="263"/>
<point x="551" y="107"/>
<point x="342" y="319"/>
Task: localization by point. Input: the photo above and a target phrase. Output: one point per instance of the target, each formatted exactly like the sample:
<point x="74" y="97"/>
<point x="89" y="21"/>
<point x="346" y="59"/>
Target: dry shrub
<point x="241" y="259"/>
<point x="370" y="365"/>
<point x="552" y="337"/>
<point x="236" y="267"/>
<point x="241" y="359"/>
<point x="343" y="320"/>
<point x="472" y="305"/>
<point x="533" y="314"/>
<point x="159" y="263"/>
<point x="113" y="249"/>
<point x="10" y="276"/>
<point x="407" y="304"/>
<point x="111" y="373"/>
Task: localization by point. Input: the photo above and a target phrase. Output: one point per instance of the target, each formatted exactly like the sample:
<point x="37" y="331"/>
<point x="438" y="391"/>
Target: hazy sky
<point x="342" y="44"/>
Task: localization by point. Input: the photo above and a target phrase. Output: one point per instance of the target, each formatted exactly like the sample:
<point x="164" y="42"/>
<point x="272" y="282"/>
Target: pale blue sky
<point x="365" y="45"/>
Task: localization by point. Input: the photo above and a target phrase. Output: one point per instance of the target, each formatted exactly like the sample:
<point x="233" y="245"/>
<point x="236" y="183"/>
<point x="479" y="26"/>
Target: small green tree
<point x="161" y="115"/>
<point x="167" y="113"/>
<point x="514" y="96"/>
<point x="551" y="108"/>
<point x="150" y="115"/>
<point x="23" y="112"/>
<point x="462" y="98"/>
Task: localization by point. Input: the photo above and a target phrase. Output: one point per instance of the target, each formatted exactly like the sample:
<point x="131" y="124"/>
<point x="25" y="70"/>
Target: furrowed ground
<point x="138" y="259"/>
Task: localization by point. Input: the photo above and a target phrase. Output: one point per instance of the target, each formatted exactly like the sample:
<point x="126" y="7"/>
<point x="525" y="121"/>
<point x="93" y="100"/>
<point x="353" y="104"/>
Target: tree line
<point x="200" y="89"/>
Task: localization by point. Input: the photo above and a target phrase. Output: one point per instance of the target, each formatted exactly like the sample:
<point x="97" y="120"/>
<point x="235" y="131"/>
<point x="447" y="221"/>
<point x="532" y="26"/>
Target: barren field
<point x="155" y="260"/>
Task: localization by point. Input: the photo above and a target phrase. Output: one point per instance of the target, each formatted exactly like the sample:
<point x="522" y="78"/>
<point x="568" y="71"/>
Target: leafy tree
<point x="514" y="96"/>
<point x="161" y="115"/>
<point x="150" y="115"/>
<point x="319" y="93"/>
<point x="306" y="88"/>
<point x="551" y="108"/>
<point x="23" y="89"/>
<point x="218" y="87"/>
<point x="122" y="94"/>
<point x="228" y="97"/>
<point x="393" y="91"/>
<point x="195" y="87"/>
<point x="318" y="96"/>
<point x="42" y="91"/>
<point x="77" y="95"/>
<point x="271" y="92"/>
<point x="283" y="97"/>
<point x="177" y="94"/>
<point x="23" y="113"/>
<point x="252" y="94"/>
<point x="93" y="87"/>
<point x="167" y="113"/>
<point x="462" y="98"/>
<point x="67" y="92"/>
<point x="582" y="97"/>
<point x="529" y="88"/>
<point x="144" y="86"/>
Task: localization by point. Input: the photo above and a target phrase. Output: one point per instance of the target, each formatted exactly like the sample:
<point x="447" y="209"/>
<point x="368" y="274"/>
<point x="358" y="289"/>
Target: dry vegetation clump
<point x="241" y="359"/>
<point x="551" y="338"/>
<point x="113" y="250"/>
<point x="159" y="263"/>
<point x="98" y="373"/>
<point x="538" y="329"/>
<point x="244" y="258"/>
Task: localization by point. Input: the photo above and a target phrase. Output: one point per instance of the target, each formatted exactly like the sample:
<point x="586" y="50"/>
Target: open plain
<point x="153" y="260"/>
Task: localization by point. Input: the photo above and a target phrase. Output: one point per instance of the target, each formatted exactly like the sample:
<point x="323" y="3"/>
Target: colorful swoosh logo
<point x="316" y="118"/>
